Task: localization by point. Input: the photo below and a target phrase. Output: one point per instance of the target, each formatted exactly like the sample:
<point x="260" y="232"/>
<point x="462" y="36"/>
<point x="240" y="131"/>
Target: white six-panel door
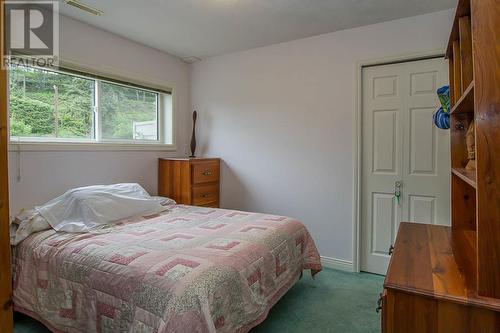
<point x="401" y="144"/>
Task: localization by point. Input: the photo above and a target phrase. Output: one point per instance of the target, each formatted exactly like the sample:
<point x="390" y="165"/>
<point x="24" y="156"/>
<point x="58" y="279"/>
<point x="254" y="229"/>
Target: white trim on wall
<point x="338" y="264"/>
<point x="15" y="146"/>
<point x="357" y="148"/>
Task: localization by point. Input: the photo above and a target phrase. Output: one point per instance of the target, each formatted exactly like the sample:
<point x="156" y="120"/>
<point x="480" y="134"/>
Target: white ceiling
<point x="204" y="28"/>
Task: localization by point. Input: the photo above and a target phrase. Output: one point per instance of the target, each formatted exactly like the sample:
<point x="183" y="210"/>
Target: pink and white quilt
<point x="190" y="269"/>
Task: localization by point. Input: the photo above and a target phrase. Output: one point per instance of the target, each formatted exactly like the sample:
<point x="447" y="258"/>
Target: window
<point x="64" y="106"/>
<point x="128" y="113"/>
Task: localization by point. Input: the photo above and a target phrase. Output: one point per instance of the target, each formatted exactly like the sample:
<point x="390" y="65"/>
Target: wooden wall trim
<point x="6" y="319"/>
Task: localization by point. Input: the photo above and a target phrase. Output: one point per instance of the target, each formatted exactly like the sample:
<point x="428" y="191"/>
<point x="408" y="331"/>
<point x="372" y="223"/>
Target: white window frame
<point x="165" y="123"/>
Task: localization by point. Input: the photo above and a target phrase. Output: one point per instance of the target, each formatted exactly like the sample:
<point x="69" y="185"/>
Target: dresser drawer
<point x="205" y="172"/>
<point x="205" y="194"/>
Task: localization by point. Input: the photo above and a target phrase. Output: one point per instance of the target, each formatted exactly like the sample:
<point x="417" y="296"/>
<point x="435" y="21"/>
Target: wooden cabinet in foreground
<point x="447" y="279"/>
<point x="190" y="181"/>
<point x="431" y="285"/>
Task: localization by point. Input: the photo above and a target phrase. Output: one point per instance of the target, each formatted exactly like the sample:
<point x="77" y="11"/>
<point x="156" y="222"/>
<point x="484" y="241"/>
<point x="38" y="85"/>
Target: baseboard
<point x="339" y="264"/>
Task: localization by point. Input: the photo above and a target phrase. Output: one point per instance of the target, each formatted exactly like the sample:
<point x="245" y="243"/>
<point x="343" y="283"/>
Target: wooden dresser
<point x="190" y="181"/>
<point x="447" y="279"/>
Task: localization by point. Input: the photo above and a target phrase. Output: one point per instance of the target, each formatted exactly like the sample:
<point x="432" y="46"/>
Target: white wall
<point x="281" y="117"/>
<point x="47" y="174"/>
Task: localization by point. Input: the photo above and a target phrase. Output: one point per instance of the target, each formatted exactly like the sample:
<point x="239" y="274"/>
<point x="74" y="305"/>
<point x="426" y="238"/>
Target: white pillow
<point x="25" y="224"/>
<point x="85" y="208"/>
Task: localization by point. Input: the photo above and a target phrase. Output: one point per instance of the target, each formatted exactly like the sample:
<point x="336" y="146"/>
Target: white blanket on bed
<point x="85" y="208"/>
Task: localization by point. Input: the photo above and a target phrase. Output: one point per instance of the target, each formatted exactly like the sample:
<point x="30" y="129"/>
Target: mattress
<point x="189" y="269"/>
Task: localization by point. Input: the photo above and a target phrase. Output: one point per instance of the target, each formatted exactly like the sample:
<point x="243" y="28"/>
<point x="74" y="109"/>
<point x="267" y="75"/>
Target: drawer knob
<point x="206" y="195"/>
<point x="207" y="173"/>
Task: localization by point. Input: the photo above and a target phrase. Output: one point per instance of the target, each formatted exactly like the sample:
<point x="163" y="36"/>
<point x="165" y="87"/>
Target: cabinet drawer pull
<point x="207" y="173"/>
<point x="206" y="195"/>
<point x="391" y="249"/>
<point x="379" y="304"/>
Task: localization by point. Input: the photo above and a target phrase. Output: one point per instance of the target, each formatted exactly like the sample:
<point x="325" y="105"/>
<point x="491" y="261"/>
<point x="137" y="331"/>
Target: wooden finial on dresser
<point x="193" y="135"/>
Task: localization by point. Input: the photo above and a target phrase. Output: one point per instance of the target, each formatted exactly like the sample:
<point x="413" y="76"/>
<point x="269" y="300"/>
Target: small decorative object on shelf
<point x="444" y="98"/>
<point x="193" y="136"/>
<point x="441" y="117"/>
<point x="470" y="142"/>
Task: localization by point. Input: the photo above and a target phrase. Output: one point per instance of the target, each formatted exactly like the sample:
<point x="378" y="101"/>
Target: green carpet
<point x="334" y="302"/>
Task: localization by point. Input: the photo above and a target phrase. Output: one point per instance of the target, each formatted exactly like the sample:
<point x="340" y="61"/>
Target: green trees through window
<point x="127" y="113"/>
<point x="48" y="104"/>
<point x="38" y="97"/>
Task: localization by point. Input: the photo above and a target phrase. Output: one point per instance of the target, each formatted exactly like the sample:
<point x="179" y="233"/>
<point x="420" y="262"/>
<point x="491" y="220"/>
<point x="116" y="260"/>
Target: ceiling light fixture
<point x="84" y="7"/>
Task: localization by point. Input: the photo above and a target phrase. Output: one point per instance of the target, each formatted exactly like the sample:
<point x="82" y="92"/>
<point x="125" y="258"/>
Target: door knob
<point x="397" y="190"/>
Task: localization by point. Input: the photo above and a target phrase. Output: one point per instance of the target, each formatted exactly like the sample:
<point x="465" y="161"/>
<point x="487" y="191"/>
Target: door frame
<point x="357" y="137"/>
<point x="6" y="305"/>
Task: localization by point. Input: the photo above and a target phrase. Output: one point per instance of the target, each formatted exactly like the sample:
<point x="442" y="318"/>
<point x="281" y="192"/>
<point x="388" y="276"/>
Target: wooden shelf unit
<point x="447" y="279"/>
<point x="474" y="82"/>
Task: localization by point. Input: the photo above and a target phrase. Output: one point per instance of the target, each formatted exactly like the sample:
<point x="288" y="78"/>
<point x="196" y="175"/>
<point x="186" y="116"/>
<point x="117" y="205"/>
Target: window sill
<point x="15" y="146"/>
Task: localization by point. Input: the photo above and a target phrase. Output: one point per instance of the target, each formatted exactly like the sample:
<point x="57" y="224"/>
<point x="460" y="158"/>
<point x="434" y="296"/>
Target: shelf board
<point x="466" y="103"/>
<point x="468" y="176"/>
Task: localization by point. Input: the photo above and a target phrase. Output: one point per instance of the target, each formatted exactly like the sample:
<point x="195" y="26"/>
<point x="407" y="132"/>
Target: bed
<point x="187" y="269"/>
